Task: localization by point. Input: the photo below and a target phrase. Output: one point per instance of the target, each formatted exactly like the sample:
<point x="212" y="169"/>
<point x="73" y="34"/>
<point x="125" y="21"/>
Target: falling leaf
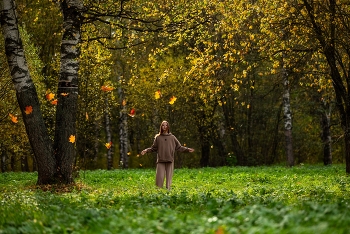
<point x="72" y="139"/>
<point x="132" y="112"/>
<point x="13" y="118"/>
<point x="86" y="116"/>
<point x="50" y="96"/>
<point x="157" y="94"/>
<point x="123" y="102"/>
<point x="140" y="165"/>
<point x="64" y="94"/>
<point x="172" y="100"/>
<point x="28" y="110"/>
<point x="106" y="88"/>
<point x="54" y="102"/>
<point x="108" y="145"/>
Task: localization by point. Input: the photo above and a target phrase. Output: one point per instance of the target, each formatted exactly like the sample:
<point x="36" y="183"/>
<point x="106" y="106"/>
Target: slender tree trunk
<point x="123" y="130"/>
<point x="327" y="39"/>
<point x="67" y="93"/>
<point x="326" y="133"/>
<point x="228" y="110"/>
<point x="109" y="136"/>
<point x="26" y="95"/>
<point x="205" y="150"/>
<point x="287" y="116"/>
<point x="24" y="163"/>
<point x="3" y="160"/>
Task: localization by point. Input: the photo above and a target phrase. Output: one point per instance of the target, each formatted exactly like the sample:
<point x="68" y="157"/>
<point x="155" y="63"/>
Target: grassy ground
<point x="303" y="199"/>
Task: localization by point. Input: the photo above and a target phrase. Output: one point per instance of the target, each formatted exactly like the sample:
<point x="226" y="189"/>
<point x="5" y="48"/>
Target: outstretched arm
<point x="153" y="148"/>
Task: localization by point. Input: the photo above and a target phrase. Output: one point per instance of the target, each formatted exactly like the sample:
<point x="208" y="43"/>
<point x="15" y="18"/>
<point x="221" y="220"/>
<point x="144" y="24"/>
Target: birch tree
<point x="54" y="160"/>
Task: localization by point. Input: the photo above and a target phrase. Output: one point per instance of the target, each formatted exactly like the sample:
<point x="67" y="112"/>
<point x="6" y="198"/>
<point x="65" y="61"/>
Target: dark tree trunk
<point x="3" y="160"/>
<point x="24" y="163"/>
<point x="205" y="151"/>
<point x="231" y="127"/>
<point x="328" y="40"/>
<point x="67" y="93"/>
<point x="326" y="134"/>
<point x="26" y="95"/>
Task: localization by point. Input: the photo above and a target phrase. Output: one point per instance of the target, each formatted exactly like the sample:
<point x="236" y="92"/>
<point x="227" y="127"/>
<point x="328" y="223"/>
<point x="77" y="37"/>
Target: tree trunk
<point x="123" y="130"/>
<point x="326" y="134"/>
<point x="24" y="163"/>
<point x="287" y="116"/>
<point x="67" y="93"/>
<point x="26" y="95"/>
<point x="109" y="136"/>
<point x="228" y="110"/>
<point x="3" y="160"/>
<point x="327" y="39"/>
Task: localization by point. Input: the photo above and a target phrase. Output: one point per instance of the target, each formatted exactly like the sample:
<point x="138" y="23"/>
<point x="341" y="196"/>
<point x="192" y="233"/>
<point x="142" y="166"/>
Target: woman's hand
<point x="190" y="150"/>
<point x="143" y="152"/>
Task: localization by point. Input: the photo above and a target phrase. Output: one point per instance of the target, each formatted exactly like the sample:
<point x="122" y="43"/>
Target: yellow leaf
<point x="108" y="145"/>
<point x="86" y="116"/>
<point x="157" y="94"/>
<point x="64" y="94"/>
<point x="72" y="139"/>
<point x="172" y="100"/>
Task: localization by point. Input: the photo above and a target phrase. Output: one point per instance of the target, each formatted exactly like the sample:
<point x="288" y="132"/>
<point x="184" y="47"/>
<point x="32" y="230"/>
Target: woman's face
<point x="165" y="127"/>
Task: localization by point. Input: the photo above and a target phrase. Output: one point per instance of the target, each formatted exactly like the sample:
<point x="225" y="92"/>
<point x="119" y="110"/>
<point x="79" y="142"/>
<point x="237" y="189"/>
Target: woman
<point x="165" y="144"/>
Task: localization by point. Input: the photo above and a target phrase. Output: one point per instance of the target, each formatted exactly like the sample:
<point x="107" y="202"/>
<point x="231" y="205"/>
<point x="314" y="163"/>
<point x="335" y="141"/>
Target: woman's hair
<point x="160" y="128"/>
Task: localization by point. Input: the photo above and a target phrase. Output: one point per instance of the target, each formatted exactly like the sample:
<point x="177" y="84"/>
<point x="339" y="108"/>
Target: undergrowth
<point x="303" y="199"/>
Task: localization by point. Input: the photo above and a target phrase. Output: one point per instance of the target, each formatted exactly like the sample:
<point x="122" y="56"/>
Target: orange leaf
<point x="106" y="88"/>
<point x="132" y="112"/>
<point x="13" y="118"/>
<point x="172" y="100"/>
<point x="86" y="116"/>
<point x="64" y="94"/>
<point x="28" y="110"/>
<point x="157" y="94"/>
<point x="72" y="139"/>
<point x="50" y="96"/>
<point x="108" y="145"/>
<point x="123" y="102"/>
<point x="54" y="102"/>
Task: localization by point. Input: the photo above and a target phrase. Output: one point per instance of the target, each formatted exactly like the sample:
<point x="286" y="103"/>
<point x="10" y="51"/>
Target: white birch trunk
<point x="287" y="115"/>
<point x="67" y="93"/>
<point x="109" y="136"/>
<point x="26" y="94"/>
<point x="123" y="131"/>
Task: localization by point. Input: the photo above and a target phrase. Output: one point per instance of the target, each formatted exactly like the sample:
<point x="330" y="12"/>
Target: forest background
<point x="242" y="82"/>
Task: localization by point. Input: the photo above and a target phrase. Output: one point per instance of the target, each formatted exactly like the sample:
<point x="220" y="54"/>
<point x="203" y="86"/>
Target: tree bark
<point x="123" y="130"/>
<point x="67" y="93"/>
<point x="326" y="133"/>
<point x="287" y="116"/>
<point x="26" y="95"/>
<point x="327" y="39"/>
<point x="109" y="136"/>
<point x="229" y="115"/>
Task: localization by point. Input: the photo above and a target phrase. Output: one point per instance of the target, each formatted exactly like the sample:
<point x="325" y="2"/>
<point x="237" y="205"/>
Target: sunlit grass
<point x="303" y="199"/>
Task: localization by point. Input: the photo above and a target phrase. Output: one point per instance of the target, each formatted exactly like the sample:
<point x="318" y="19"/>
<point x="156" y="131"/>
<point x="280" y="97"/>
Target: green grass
<point x="303" y="199"/>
